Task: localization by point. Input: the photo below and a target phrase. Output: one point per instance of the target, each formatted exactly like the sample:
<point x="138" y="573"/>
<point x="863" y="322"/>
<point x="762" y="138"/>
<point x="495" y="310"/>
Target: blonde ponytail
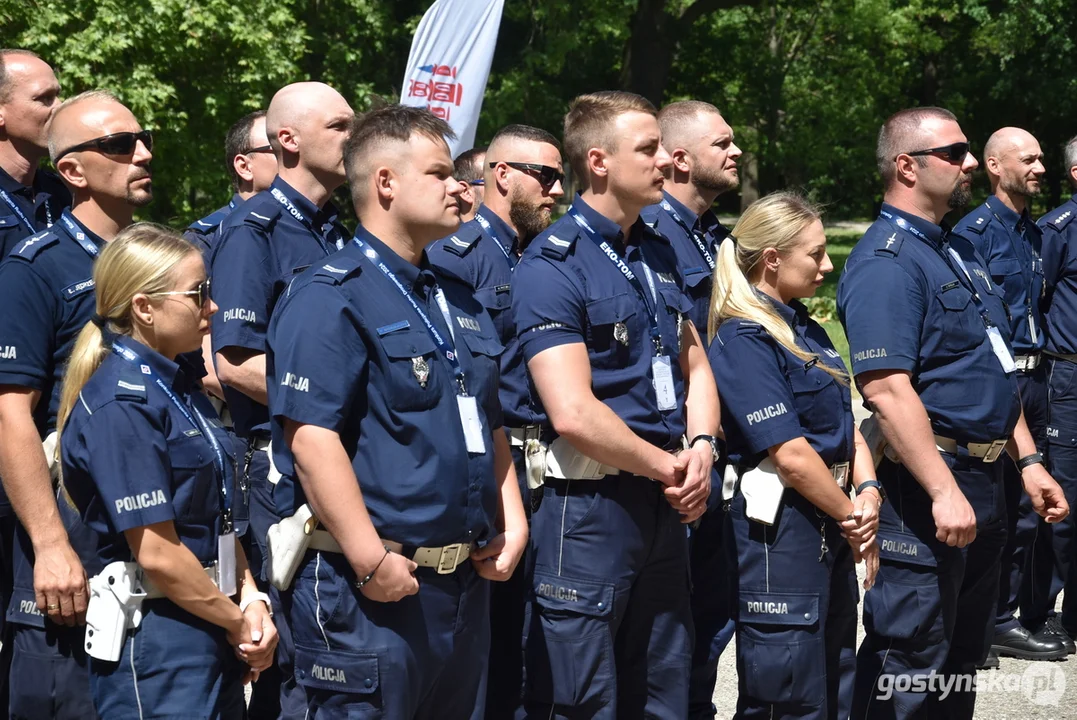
<point x="139" y="260"/>
<point x="774" y="221"/>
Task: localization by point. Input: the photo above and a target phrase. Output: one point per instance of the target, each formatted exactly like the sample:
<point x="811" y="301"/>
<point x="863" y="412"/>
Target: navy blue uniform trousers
<point x="1055" y="558"/>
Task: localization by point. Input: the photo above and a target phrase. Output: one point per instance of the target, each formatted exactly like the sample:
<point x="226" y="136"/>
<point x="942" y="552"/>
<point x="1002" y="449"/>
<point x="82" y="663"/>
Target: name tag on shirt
<point x="226" y="563"/>
<point x="469" y="418"/>
<point x="663" y="382"/>
<point x="1002" y="352"/>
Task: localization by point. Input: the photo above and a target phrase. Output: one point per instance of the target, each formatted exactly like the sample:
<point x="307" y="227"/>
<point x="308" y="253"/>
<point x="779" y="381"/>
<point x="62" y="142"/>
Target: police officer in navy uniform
<point x="624" y="383"/>
<point x="926" y="331"/>
<point x="524" y="180"/>
<point x="700" y="143"/>
<point x="47" y="290"/>
<point x="792" y="549"/>
<point x="276" y="234"/>
<point x="1010" y="243"/>
<point x="469" y="169"/>
<point x="31" y="199"/>
<point x="386" y="421"/>
<point x="252" y="165"/>
<point x="150" y="471"/>
<point x="1056" y="545"/>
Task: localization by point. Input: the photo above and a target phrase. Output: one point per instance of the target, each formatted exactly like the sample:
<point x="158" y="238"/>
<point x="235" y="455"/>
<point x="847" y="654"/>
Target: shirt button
<point x="301" y="673"/>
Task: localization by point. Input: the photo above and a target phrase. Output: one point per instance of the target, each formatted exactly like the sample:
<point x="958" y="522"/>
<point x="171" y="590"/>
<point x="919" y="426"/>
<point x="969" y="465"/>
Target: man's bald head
<point x="83" y="118"/>
<point x="1014" y="162"/>
<point x="306" y="124"/>
<point x="298" y="105"/>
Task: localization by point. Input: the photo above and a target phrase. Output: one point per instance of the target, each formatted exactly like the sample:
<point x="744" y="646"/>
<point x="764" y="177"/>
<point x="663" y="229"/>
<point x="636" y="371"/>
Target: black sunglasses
<point x="201" y="293"/>
<point x="122" y="143"/>
<point x="259" y="149"/>
<point x="955" y="152"/>
<point x="547" y="176"/>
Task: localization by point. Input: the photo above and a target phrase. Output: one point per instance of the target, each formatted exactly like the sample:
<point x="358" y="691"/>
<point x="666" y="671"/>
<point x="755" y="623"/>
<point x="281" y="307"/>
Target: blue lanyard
<point x="79" y="236"/>
<point x="700" y="245"/>
<point x="197" y="420"/>
<point x="22" y="216"/>
<point x="613" y="257"/>
<point x="298" y="215"/>
<point x="497" y="240"/>
<point x="444" y="347"/>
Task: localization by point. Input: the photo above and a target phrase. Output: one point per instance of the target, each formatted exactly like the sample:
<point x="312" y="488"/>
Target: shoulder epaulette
<point x="261" y="211"/>
<point x="29" y="248"/>
<point x="461" y="242"/>
<point x="976" y="222"/>
<point x="889" y="246"/>
<point x="558" y="246"/>
<point x="130" y="385"/>
<point x="210" y="222"/>
<point x="1059" y="220"/>
<point x="749" y="327"/>
<point x="337" y="270"/>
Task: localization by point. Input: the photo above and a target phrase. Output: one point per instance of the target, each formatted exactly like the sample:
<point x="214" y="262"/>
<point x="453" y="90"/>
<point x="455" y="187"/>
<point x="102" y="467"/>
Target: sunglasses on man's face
<point x="954" y="152"/>
<point x="259" y="149"/>
<point x="122" y="143"/>
<point x="546" y="175"/>
<point x="200" y="293"/>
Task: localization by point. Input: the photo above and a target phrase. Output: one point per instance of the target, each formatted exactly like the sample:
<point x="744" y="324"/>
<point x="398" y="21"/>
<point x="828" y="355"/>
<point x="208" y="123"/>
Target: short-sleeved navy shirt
<point x="349" y="353"/>
<point x="690" y="235"/>
<point x="567" y="290"/>
<point x="35" y="208"/>
<point x="131" y="458"/>
<point x="907" y="306"/>
<point x="205" y="231"/>
<point x="785" y="397"/>
<point x="1010" y="244"/>
<point x="263" y="244"/>
<point x="1060" y="277"/>
<point x="47" y="292"/>
<point x="485" y="261"/>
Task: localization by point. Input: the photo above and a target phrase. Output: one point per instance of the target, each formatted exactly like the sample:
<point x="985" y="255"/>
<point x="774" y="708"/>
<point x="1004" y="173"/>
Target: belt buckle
<point x="995" y="451"/>
<point x="450" y="558"/>
<point x="841" y="474"/>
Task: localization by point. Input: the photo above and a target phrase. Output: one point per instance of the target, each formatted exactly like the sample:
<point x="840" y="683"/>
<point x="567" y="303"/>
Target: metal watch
<point x="712" y="441"/>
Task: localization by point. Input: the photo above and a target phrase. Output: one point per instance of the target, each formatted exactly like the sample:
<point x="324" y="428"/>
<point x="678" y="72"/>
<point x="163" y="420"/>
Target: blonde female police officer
<point x="150" y="470"/>
<point x="795" y="599"/>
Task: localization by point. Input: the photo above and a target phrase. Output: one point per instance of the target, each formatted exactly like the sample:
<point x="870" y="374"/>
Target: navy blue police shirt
<point x="204" y="232"/>
<point x="566" y="290"/>
<point x="1011" y="245"/>
<point x="349" y="353"/>
<point x="131" y="458"/>
<point x="263" y="244"/>
<point x="907" y="305"/>
<point x="1060" y="278"/>
<point x="786" y="398"/>
<point x="27" y="210"/>
<point x="695" y="239"/>
<point x="485" y="260"/>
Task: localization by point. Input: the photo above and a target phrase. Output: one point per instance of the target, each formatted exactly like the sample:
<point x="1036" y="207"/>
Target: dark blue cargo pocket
<point x="570" y="648"/>
<point x="780" y="643"/>
<point x="340" y="684"/>
<point x="904" y="603"/>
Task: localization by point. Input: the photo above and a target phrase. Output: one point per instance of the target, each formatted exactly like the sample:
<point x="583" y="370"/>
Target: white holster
<point x="762" y="489"/>
<point x="287" y="542"/>
<point x="567" y="463"/>
<point x="534" y="450"/>
<point x="266" y="446"/>
<point x="49" y="446"/>
<point x="873" y="436"/>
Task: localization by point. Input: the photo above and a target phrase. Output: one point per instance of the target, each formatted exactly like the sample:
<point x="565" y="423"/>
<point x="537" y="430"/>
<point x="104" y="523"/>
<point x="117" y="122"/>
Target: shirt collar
<point x="236" y="201"/>
<point x="416" y="278"/>
<point x="89" y="233"/>
<point x="311" y="211"/>
<point x="1004" y="214"/>
<point x="11" y="185"/>
<point x="795" y="313"/>
<point x="689" y="217"/>
<point x="175" y="375"/>
<point x="606" y="228"/>
<point x="505" y="234"/>
<point x="902" y="219"/>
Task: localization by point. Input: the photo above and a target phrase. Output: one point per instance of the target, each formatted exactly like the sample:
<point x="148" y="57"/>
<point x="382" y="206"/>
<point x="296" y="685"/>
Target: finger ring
<point x="52" y="607"/>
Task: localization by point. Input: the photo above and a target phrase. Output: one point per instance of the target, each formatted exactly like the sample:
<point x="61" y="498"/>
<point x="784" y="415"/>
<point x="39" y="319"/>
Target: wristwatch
<point x="713" y="441"/>
<point x="872" y="484"/>
<point x="1030" y="460"/>
<point x="253" y="598"/>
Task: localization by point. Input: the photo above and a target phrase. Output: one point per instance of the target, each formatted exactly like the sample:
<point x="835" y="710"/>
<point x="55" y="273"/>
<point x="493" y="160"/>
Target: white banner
<point x="450" y="61"/>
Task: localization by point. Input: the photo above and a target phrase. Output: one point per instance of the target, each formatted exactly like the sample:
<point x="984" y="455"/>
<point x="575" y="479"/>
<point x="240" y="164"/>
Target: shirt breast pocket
<point x="195" y="495"/>
<point x="485" y="354"/>
<point x="414" y="378"/>
<point x="817" y="396"/>
<point x="961" y="327"/>
<point x="697" y="280"/>
<point x="614" y="331"/>
<point x="1003" y="269"/>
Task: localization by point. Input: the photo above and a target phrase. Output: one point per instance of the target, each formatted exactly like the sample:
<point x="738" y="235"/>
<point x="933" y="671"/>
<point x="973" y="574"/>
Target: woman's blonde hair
<point x="141" y="259"/>
<point x="775" y="221"/>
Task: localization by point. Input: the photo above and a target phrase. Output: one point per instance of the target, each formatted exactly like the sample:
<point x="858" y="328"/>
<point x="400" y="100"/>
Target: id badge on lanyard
<point x="998" y="345"/>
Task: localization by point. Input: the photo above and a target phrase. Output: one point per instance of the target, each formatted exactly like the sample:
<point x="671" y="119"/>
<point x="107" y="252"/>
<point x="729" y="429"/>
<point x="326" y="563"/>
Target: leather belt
<point x="260" y="443"/>
<point x="443" y="559"/>
<point x="1027" y="363"/>
<point x="518" y="437"/>
<point x="989" y="452"/>
<point x="153" y="592"/>
<point x="1062" y="356"/>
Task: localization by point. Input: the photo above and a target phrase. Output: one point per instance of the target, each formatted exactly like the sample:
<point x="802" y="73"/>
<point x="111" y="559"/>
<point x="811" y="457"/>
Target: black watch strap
<point x="1030" y="460"/>
<point x="872" y="484"/>
<point x="711" y="440"/>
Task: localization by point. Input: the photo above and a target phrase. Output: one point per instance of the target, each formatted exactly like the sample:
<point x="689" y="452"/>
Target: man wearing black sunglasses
<point x="47" y="291"/>
<point x="1006" y="238"/>
<point x="31" y="199"/>
<point x="468" y="169"/>
<point x="930" y="344"/>
<point x="523" y="180"/>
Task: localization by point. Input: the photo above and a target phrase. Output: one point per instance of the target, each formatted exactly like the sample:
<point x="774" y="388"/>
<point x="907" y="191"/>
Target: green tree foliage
<point x="805" y="83"/>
